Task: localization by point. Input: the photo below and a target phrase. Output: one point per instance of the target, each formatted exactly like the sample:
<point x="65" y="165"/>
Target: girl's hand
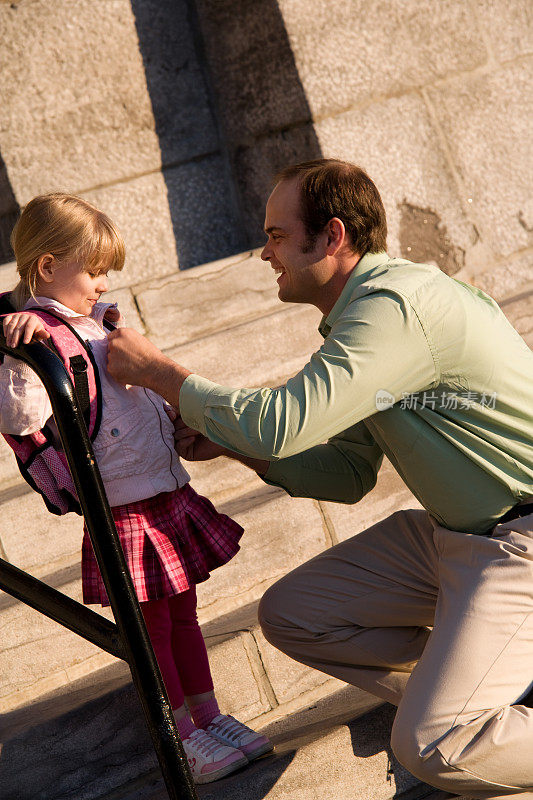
<point x="23" y="326"/>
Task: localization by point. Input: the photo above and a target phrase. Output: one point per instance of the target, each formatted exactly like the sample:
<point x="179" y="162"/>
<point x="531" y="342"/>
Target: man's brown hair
<point x="332" y="188"/>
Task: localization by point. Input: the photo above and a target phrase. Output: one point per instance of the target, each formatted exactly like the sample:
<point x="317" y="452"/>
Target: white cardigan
<point x="134" y="447"/>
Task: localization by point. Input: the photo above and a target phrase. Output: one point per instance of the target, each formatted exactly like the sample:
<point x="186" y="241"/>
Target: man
<point x="432" y="609"/>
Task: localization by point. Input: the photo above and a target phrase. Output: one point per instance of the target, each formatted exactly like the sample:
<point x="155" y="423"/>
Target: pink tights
<point x="178" y="644"/>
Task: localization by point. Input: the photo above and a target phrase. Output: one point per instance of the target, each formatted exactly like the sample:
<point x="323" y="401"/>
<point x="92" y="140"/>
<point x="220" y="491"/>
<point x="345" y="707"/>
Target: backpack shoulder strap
<point x="5" y="303"/>
<point x="79" y="360"/>
<point x="5" y="308"/>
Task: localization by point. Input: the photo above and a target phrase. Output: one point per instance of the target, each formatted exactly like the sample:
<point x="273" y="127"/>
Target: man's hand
<point x="194" y="446"/>
<point x="23" y="327"/>
<point x="132" y="359"/>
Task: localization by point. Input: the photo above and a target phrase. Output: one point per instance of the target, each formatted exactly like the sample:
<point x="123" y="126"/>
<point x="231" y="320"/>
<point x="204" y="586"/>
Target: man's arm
<point x="133" y="359"/>
<point x="194" y="446"/>
<point x="377" y="348"/>
<point x="343" y="470"/>
<point x="377" y="344"/>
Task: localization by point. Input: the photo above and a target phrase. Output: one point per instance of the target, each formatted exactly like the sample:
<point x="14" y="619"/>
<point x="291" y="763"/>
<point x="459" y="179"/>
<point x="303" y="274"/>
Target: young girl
<point x="171" y="536"/>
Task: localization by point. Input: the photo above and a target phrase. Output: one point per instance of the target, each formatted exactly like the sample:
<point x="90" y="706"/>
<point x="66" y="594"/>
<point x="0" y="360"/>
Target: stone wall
<point x="430" y="98"/>
<point x="172" y="115"/>
<point x="108" y="99"/>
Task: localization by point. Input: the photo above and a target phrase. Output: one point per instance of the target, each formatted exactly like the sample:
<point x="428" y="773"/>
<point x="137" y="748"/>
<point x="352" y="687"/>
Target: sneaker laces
<point x="206" y="744"/>
<point x="232" y="728"/>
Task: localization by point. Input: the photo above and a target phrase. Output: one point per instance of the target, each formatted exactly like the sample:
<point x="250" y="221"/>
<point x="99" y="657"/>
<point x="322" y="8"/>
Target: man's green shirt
<point x="414" y="365"/>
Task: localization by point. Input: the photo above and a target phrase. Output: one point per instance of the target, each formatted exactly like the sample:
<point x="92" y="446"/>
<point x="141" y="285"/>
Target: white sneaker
<point x="230" y="731"/>
<point x="210" y="760"/>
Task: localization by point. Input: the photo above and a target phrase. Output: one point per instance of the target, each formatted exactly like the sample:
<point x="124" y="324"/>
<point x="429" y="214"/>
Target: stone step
<point x="89" y="742"/>
<point x="255" y="682"/>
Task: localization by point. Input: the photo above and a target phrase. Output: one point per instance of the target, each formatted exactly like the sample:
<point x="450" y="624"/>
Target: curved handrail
<point x="108" y="551"/>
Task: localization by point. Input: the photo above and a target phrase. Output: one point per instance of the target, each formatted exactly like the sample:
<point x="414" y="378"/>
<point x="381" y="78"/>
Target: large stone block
<point x="486" y="120"/>
<point x="9" y="472"/>
<point x="199" y="302"/>
<point x="9" y="209"/>
<point x="175" y="79"/>
<point x="348" y="52"/>
<point x="140" y="210"/>
<point x="233" y="667"/>
<point x="514" y="276"/>
<point x="169" y="220"/>
<point x="223" y="479"/>
<point x="204" y="216"/>
<point x="77" y="743"/>
<point x="297" y="60"/>
<point x="255" y="164"/>
<point x="90" y="741"/>
<point x="262" y="352"/>
<point x="36" y="650"/>
<point x="519" y="312"/>
<point x="396" y="142"/>
<point x="8" y="276"/>
<point x="280" y="533"/>
<point x="351" y="760"/>
<point x="76" y="108"/>
<point x="289" y="679"/>
<point x="508" y="27"/>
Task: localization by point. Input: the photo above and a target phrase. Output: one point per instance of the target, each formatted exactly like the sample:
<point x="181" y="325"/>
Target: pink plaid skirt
<point x="170" y="542"/>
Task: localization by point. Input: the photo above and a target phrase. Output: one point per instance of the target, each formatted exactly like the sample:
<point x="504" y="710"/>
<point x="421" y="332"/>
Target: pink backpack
<point x="41" y="463"/>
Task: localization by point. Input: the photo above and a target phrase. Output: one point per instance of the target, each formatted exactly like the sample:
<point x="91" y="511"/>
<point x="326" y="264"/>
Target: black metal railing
<point x="128" y="638"/>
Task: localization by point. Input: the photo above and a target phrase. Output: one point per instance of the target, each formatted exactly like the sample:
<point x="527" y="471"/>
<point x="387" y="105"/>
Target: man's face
<point x="301" y="265"/>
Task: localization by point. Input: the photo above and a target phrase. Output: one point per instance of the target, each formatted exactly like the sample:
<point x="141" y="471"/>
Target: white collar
<point x="99" y="311"/>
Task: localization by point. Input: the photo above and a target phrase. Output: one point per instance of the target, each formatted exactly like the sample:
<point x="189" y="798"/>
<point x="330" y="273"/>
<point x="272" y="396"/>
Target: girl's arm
<point x="24" y="403"/>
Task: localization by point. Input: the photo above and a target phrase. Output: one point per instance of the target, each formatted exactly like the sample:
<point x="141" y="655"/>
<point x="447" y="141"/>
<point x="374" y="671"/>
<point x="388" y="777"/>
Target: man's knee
<point x="407" y="748"/>
<point x="425" y="763"/>
<point x="272" y="613"/>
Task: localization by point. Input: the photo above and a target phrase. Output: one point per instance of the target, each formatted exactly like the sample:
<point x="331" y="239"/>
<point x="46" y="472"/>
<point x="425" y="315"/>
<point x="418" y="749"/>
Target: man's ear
<point x="336" y="235"/>
<point x="45" y="267"/>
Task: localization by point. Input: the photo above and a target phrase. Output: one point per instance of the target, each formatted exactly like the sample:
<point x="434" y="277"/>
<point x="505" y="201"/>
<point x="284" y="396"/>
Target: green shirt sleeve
<point x="343" y="470"/>
<point x="378" y="344"/>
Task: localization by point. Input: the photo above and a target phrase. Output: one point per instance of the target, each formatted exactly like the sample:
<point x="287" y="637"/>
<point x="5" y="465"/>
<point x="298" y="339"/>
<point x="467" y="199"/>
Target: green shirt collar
<point x="358" y="275"/>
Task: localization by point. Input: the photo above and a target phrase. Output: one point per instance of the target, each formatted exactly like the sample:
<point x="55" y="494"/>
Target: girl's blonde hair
<point x="70" y="229"/>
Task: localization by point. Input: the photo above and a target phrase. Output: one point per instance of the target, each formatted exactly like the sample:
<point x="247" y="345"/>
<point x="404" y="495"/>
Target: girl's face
<point x="70" y="285"/>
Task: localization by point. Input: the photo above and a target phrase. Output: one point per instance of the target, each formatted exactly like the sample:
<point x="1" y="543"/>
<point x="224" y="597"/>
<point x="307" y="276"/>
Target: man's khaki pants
<point x="363" y="612"/>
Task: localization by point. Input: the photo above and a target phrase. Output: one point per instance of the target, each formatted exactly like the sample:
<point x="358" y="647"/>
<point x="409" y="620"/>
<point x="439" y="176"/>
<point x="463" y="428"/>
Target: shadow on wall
<point x="261" y="104"/>
<point x="229" y="111"/>
<point x="9" y="211"/>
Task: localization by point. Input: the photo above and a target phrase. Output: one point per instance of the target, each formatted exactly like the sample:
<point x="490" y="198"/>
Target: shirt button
<point x="115" y="432"/>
